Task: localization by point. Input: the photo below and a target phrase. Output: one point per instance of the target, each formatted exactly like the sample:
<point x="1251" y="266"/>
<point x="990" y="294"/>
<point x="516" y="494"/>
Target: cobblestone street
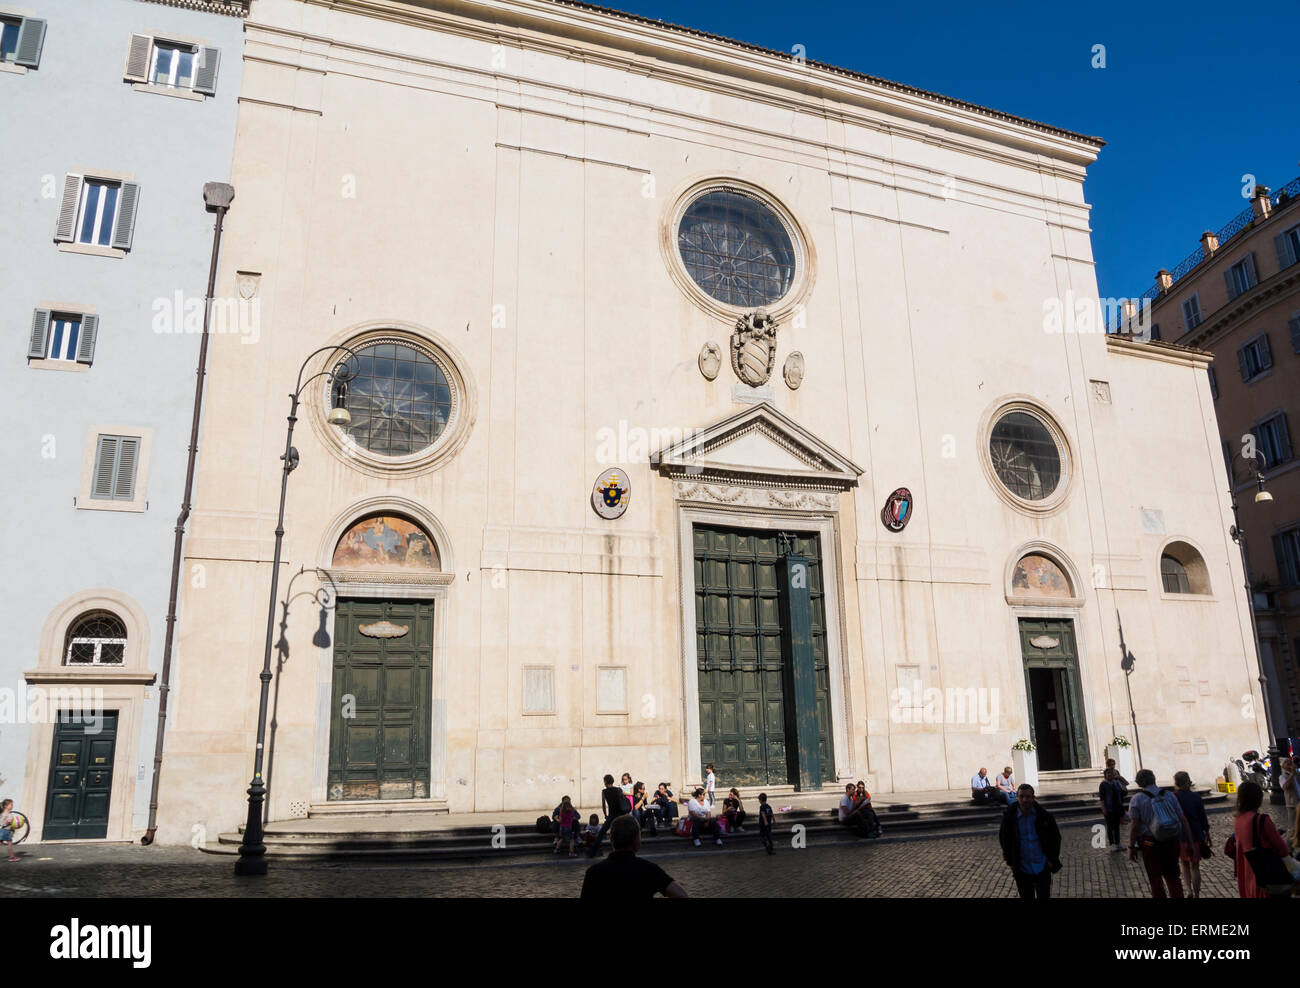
<point x="954" y="866"/>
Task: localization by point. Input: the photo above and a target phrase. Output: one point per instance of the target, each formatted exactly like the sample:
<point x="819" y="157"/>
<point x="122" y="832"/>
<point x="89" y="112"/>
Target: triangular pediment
<point x="758" y="445"/>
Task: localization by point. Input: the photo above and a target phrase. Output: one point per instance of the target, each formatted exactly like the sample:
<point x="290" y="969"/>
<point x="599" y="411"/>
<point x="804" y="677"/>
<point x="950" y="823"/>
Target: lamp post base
<point x="252" y="852"/>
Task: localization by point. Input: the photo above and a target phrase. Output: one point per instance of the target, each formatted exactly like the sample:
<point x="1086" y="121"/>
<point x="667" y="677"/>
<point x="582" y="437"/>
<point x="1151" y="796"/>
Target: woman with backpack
<point x="1255" y="845"/>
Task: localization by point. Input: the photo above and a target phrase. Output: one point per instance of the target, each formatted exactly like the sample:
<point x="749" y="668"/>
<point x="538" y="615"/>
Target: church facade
<point x="704" y="405"/>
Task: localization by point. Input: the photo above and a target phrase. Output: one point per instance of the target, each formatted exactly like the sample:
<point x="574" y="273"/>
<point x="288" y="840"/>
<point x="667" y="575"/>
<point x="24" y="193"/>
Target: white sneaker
<point x="697" y="842"/>
<point x="719" y="841"/>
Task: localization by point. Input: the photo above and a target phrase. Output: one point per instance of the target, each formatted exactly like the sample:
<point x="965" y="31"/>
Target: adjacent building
<point x="116" y="114"/>
<point x="1238" y="296"/>
<point x="705" y="405"/>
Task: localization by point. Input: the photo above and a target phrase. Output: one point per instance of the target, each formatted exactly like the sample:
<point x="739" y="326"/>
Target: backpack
<point x="1166" y="820"/>
<point x="543" y="824"/>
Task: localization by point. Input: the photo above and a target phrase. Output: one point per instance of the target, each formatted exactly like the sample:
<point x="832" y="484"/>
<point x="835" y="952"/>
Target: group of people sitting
<point x="997" y="791"/>
<point x="855" y="811"/>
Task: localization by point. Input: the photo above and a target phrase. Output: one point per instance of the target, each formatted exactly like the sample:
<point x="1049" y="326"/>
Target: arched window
<point x="1182" y="570"/>
<point x="95" y="638"/>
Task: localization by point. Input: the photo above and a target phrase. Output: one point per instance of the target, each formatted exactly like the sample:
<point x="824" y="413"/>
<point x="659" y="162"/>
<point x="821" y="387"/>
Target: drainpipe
<point x="217" y="196"/>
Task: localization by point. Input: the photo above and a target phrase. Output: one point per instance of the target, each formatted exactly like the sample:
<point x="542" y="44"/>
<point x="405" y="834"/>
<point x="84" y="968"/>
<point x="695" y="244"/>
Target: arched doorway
<point x="1043" y="592"/>
<point x="388" y="570"/>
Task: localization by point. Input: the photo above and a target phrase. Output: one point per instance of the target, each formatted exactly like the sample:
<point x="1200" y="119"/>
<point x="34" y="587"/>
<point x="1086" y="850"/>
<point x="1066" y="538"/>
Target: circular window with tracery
<point x="97" y="638"/>
<point x="1026" y="456"/>
<point x="738" y="248"/>
<point x="400" y="399"/>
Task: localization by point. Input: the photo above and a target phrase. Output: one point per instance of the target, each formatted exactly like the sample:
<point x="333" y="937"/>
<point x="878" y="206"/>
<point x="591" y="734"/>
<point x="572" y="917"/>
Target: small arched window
<point x="1174" y="575"/>
<point x="95" y="638"/>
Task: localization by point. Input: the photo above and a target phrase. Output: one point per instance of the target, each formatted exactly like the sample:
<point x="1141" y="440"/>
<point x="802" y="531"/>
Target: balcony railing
<point x="1242" y="221"/>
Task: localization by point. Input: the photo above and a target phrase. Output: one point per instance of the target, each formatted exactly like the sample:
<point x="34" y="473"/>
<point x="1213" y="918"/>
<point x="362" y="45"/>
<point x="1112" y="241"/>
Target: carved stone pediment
<point x="759" y="446"/>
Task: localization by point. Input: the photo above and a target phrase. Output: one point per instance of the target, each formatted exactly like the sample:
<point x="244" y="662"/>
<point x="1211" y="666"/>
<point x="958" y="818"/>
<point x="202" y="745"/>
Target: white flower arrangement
<point x="1119" y="741"/>
<point x="1024" y="744"/>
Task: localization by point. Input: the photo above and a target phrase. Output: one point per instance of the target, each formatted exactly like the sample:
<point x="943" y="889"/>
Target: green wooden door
<point x="81" y="776"/>
<point x="742" y="670"/>
<point x="380" y="717"/>
<point x="1054" y="694"/>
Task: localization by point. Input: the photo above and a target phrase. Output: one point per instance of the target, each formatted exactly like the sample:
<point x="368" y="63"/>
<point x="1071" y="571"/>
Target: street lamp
<point x="1238" y="534"/>
<point x="252" y="851"/>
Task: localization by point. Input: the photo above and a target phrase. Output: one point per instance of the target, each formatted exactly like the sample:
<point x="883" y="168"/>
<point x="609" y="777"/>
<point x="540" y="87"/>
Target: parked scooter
<point x="1252" y="768"/>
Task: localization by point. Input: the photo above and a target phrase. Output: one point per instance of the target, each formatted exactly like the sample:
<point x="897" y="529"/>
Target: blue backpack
<point x="1167" y="822"/>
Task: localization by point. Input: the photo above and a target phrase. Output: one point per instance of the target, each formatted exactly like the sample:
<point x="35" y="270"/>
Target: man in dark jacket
<point x="1031" y="844"/>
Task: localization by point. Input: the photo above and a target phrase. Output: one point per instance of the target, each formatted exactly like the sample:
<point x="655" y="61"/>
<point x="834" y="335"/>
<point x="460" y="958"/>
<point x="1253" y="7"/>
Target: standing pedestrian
<point x="1112" y="808"/>
<point x="710" y="783"/>
<point x="1253" y="830"/>
<point x="569" y="819"/>
<point x="623" y="875"/>
<point x="1031" y="844"/>
<point x="615" y="805"/>
<point x="765" y="822"/>
<point x="1158" y="831"/>
<point x="1290" y="782"/>
<point x="1198" y="823"/>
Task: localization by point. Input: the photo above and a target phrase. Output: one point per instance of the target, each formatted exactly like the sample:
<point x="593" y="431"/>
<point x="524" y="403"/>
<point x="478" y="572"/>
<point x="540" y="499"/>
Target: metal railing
<point x="1242" y="221"/>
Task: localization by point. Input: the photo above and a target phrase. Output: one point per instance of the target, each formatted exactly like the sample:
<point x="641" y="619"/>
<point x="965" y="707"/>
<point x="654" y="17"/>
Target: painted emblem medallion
<point x="753" y="347"/>
<point x="897" y="511"/>
<point x="612" y="493"/>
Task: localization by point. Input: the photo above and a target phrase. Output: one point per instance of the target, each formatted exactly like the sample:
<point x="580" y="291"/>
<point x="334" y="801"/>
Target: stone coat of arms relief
<point x="753" y="347"/>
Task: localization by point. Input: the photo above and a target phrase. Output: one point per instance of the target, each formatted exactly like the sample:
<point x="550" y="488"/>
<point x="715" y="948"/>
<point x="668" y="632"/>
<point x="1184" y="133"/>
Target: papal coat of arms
<point x="612" y="493"/>
<point x="753" y="347"/>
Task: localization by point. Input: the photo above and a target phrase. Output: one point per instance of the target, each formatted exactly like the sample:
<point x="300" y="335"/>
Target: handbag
<point x="1271" y="873"/>
<point x="684" y="826"/>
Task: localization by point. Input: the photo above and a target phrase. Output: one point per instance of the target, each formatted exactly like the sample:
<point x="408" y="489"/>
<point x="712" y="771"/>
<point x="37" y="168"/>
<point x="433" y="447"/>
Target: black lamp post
<point x="1238" y="534"/>
<point x="252" y="852"/>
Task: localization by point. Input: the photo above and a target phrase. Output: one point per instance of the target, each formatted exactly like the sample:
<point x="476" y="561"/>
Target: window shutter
<point x="86" y="341"/>
<point x="1231" y="284"/>
<point x="1251" y="279"/>
<point x="1265" y="353"/>
<point x="1241" y="362"/>
<point x="105" y="460"/>
<point x="1214" y="384"/>
<point x="205" y="79"/>
<point x="40" y="334"/>
<point x="1285" y="252"/>
<point x="67" y="227"/>
<point x="124" y="482"/>
<point x="137" y="58"/>
<point x="126" y="203"/>
<point x="1283" y="439"/>
<point x="31" y="38"/>
<point x="1294" y="325"/>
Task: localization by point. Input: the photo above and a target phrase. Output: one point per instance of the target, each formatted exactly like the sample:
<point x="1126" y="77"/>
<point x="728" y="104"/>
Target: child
<point x="568" y="825"/>
<point x="593" y="830"/>
<point x="6" y="827"/>
<point x="710" y="783"/>
<point x="765" y="822"/>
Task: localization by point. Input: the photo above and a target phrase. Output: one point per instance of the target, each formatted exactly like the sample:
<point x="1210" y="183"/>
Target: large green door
<point x="743" y="672"/>
<point x="380" y="718"/>
<point x="1056" y="720"/>
<point x="81" y="776"/>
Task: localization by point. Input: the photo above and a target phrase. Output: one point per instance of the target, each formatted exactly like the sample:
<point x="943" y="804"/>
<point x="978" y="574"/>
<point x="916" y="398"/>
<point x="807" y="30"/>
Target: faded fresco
<point x="386" y="542"/>
<point x="1038" y="576"/>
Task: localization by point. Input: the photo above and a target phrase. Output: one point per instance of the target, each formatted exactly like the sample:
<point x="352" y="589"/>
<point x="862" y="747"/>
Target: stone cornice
<point x="663" y="50"/>
<point x="235" y="8"/>
<point x="1225" y="318"/>
<point x="1170" y="353"/>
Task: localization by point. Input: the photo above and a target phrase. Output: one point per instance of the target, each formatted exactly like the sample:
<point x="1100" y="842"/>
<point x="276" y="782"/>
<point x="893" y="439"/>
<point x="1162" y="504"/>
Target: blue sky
<point x="1193" y="96"/>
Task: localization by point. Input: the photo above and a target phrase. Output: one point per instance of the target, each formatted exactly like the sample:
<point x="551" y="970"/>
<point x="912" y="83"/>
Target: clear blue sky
<point x="1193" y="96"/>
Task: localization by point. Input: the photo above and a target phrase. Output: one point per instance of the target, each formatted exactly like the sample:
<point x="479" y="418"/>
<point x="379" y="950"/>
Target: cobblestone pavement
<point x="954" y="866"/>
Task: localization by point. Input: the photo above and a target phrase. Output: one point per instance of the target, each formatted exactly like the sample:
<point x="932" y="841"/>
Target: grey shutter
<point x="1241" y="362"/>
<point x="66" y="230"/>
<point x="86" y="339"/>
<point x="1285" y="252"/>
<point x="40" y="334"/>
<point x="123" y="230"/>
<point x="31" y="39"/>
<point x="1288" y="566"/>
<point x="205" y="79"/>
<point x="1265" y="353"/>
<point x="1293" y="324"/>
<point x="128" y="449"/>
<point x="1251" y="279"/>
<point x="1231" y="284"/>
<point x="137" y="58"/>
<point x="105" y="460"/>
<point x="1283" y="439"/>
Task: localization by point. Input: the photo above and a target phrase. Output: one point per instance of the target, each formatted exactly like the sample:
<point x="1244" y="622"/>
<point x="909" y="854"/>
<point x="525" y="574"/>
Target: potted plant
<point x="1024" y="762"/>
<point x="1120" y="750"/>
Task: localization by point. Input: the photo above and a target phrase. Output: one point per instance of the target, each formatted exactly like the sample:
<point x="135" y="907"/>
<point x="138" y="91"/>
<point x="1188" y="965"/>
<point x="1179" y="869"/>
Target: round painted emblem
<point x="611" y="494"/>
<point x="897" y="511"/>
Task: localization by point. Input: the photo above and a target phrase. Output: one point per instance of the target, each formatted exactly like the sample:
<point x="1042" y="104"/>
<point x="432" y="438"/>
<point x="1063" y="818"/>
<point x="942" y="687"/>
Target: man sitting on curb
<point x="622" y="875"/>
<point x="982" y="789"/>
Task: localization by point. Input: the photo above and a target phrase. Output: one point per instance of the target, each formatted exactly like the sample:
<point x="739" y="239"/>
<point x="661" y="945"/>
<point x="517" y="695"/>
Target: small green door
<point x="1053" y="691"/>
<point x="381" y="712"/>
<point x="81" y="776"/>
<point x="743" y="679"/>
